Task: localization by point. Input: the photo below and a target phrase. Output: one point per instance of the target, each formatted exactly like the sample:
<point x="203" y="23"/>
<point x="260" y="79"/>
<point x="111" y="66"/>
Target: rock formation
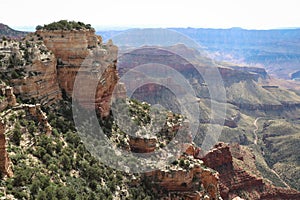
<point x="47" y="68"/>
<point x="235" y="180"/>
<point x="36" y="111"/>
<point x="142" y="145"/>
<point x="30" y="68"/>
<point x="5" y="167"/>
<point x="9" y="98"/>
<point x="82" y="52"/>
<point x="191" y="181"/>
<point x="241" y="83"/>
<point x="44" y="66"/>
<point x="41" y="85"/>
<point x="33" y="110"/>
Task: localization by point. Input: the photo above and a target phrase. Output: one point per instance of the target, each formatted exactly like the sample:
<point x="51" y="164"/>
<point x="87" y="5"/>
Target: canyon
<point x="43" y="70"/>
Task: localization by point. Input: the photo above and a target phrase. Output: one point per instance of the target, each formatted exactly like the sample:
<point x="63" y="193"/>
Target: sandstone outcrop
<point x="142" y="145"/>
<point x="235" y="180"/>
<point x="30" y="69"/>
<point x="11" y="98"/>
<point x="82" y="52"/>
<point x="8" y="97"/>
<point x="44" y="66"/>
<point x="42" y="86"/>
<point x="231" y="179"/>
<point x="191" y="181"/>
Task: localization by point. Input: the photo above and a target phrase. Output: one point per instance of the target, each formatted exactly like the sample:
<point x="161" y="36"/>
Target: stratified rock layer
<point x="30" y="68"/>
<point x="191" y="181"/>
<point x="235" y="180"/>
<point x="142" y="145"/>
<point x="41" y="85"/>
<point x="82" y="53"/>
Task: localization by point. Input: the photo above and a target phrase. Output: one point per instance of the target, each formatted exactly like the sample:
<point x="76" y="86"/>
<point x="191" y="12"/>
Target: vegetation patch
<point x="65" y="25"/>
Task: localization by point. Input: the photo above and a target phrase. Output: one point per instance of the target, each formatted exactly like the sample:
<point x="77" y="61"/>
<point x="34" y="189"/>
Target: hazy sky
<point x="251" y="14"/>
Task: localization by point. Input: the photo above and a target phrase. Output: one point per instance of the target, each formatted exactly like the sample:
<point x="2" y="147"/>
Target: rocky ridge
<point x="235" y="180"/>
<point x="242" y="84"/>
<point x="44" y="66"/>
<point x="7" y="32"/>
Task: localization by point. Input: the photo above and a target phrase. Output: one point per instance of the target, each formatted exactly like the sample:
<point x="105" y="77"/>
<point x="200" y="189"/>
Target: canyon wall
<point x="30" y="68"/>
<point x="44" y="66"/>
<point x="234" y="179"/>
<point x="83" y="51"/>
<point x="41" y="84"/>
<point x="256" y="70"/>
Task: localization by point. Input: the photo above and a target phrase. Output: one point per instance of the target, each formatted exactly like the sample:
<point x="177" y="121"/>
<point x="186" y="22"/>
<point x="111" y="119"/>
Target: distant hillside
<point x="276" y="50"/>
<point x="11" y="33"/>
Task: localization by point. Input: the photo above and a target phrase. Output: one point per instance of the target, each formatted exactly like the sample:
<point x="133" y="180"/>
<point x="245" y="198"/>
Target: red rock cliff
<point x="191" y="181"/>
<point x="30" y="69"/>
<point x="82" y="49"/>
<point x="235" y="180"/>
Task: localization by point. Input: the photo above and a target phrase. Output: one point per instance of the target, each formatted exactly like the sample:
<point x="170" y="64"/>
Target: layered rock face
<point x="191" y="181"/>
<point x="42" y="85"/>
<point x="235" y="180"/>
<point x="31" y="70"/>
<point x="70" y="48"/>
<point x="241" y="83"/>
<point x="45" y="65"/>
<point x="142" y="145"/>
<point x="82" y="52"/>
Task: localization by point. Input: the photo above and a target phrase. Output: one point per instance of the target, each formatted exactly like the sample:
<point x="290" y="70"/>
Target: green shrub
<point x="64" y="25"/>
<point x="181" y="163"/>
<point x="16" y="136"/>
